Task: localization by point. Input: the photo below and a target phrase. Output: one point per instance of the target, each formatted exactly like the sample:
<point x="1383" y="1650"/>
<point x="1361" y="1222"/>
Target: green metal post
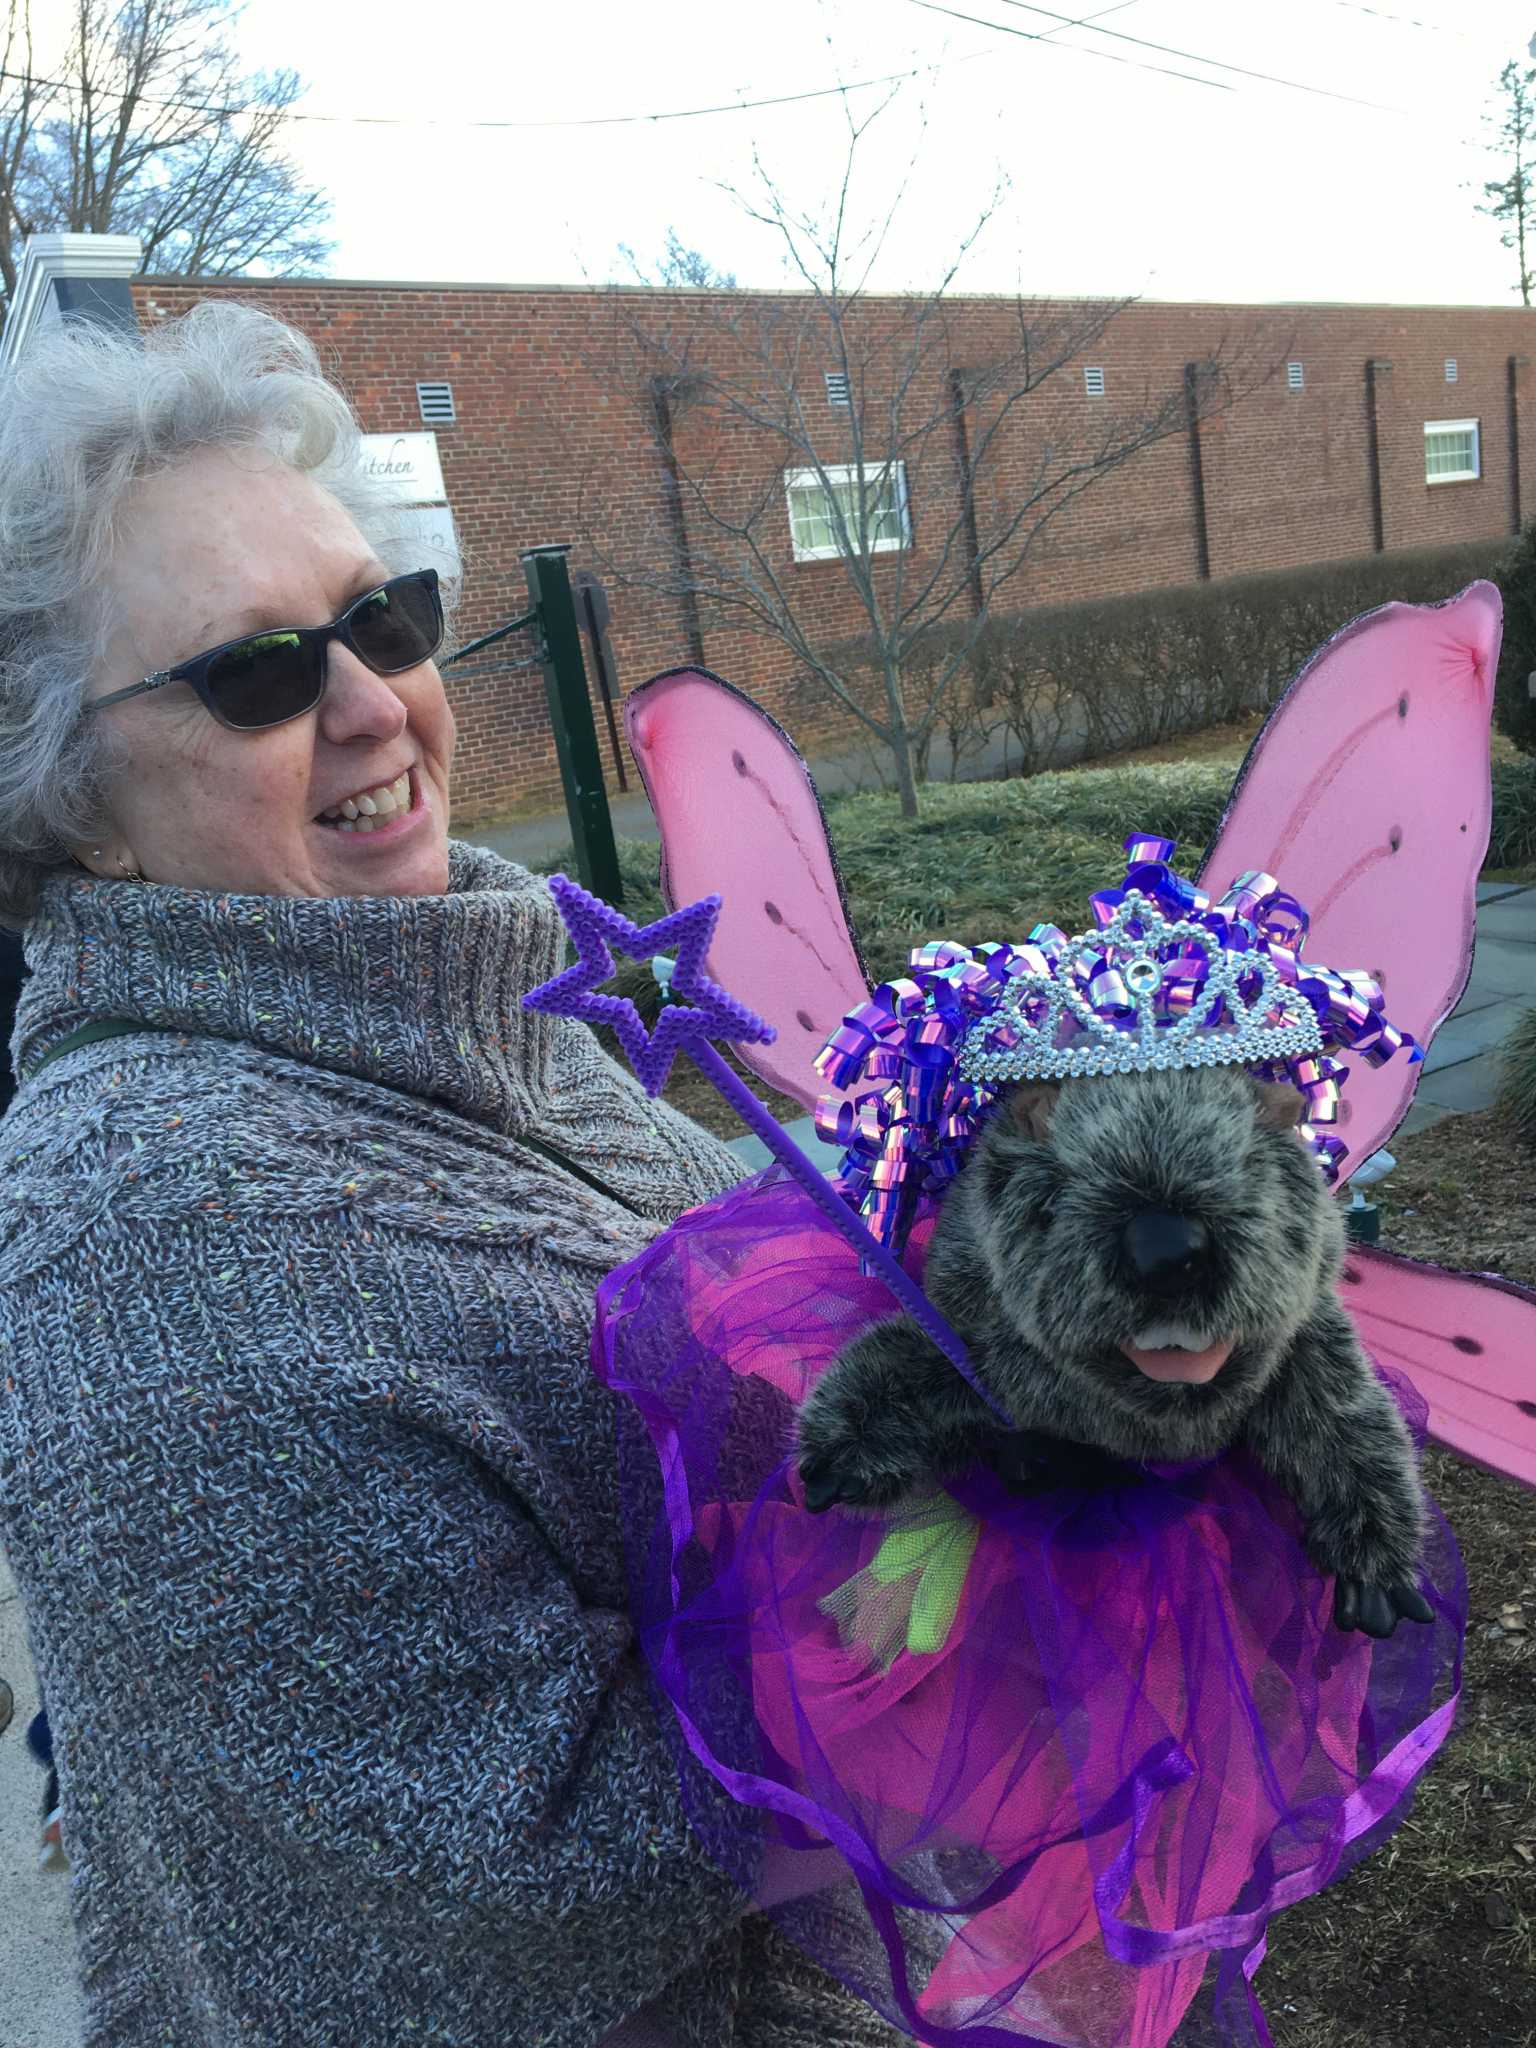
<point x="570" y="715"/>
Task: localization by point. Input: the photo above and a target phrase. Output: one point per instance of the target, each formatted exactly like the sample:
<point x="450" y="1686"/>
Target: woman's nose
<point x="1167" y="1252"/>
<point x="358" y="704"/>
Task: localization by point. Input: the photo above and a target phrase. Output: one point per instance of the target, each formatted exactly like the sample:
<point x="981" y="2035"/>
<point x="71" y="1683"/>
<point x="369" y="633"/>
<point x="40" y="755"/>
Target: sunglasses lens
<point x="399" y="625"/>
<point x="266" y="679"/>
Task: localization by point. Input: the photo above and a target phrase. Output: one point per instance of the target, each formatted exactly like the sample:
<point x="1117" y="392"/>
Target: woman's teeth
<point x="365" y="812"/>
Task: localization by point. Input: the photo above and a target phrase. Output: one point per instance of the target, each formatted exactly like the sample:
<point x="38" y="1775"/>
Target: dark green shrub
<point x="1070" y="682"/>
<point x="1512" y="841"/>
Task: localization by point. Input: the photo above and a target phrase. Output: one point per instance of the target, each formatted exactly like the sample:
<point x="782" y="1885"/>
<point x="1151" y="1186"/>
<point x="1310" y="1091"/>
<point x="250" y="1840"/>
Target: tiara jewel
<point x="1144" y="991"/>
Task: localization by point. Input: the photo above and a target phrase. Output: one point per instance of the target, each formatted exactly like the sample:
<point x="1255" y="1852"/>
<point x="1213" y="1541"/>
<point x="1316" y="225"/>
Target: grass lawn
<point x="1432" y="1943"/>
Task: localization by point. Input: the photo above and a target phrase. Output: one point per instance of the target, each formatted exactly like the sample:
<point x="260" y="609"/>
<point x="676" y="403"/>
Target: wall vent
<point x="838" y="392"/>
<point x="436" y="404"/>
<point x="1093" y="382"/>
<point x="1296" y="376"/>
<point x="1450" y="370"/>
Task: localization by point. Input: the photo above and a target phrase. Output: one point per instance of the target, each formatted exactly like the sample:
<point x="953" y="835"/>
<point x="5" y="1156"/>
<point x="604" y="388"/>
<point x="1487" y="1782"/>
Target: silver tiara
<point x="1128" y="998"/>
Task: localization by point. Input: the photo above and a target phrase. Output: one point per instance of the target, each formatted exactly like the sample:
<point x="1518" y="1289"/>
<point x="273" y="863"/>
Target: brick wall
<point x="551" y="444"/>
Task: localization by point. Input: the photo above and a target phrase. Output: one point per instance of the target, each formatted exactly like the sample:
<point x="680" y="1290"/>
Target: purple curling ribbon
<point x="915" y="1114"/>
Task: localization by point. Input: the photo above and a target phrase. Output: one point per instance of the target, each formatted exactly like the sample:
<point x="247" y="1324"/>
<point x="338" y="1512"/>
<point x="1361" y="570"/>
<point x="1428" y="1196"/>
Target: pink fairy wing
<point x="1367" y="794"/>
<point x="1468" y="1343"/>
<point x="739" y="816"/>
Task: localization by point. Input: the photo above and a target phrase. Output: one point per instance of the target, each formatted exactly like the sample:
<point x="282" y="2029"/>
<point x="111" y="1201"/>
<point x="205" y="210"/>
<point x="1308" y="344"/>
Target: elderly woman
<point x="307" y="1486"/>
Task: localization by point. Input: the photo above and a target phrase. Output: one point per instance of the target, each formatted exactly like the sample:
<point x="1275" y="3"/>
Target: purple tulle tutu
<point x="1017" y="1770"/>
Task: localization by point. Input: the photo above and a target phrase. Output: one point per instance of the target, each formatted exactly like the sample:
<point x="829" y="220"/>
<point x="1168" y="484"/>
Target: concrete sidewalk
<point x="39" y="2006"/>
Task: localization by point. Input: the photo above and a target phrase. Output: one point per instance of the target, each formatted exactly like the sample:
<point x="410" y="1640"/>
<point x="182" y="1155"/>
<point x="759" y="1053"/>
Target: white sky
<point x="1121" y="179"/>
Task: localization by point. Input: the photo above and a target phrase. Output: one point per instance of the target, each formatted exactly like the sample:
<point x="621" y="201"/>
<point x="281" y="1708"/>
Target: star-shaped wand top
<point x="700" y="1009"/>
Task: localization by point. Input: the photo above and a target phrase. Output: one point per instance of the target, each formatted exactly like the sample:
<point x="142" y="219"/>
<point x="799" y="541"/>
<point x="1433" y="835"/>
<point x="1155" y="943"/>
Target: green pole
<point x="570" y="715"/>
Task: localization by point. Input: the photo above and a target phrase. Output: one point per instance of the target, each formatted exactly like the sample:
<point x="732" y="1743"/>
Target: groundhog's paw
<point x="1376" y="1610"/>
<point x="843" y="1465"/>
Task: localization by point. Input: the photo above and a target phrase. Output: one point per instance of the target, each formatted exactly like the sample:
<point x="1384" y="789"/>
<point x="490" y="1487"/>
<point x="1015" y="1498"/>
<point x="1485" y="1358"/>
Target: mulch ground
<point x="1432" y="1942"/>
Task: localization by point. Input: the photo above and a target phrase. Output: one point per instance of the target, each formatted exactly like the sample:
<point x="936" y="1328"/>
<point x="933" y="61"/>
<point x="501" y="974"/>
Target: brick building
<point x="1380" y="428"/>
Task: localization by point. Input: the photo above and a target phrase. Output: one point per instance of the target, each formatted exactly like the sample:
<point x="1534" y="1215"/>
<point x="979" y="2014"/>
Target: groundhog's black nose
<point x="1168" y="1253"/>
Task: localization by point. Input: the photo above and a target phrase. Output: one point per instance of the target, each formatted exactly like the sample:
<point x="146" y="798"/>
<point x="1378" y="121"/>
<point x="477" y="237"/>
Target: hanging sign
<point x="407" y="465"/>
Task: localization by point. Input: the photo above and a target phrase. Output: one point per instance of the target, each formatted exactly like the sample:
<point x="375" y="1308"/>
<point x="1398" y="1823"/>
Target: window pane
<point x="1451" y="451"/>
<point x="888" y="517"/>
<point x="813" y="510"/>
<point x="807" y="511"/>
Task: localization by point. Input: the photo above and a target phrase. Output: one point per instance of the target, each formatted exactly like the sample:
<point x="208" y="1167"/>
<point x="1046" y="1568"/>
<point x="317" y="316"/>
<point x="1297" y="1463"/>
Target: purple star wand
<point x="699" y="1012"/>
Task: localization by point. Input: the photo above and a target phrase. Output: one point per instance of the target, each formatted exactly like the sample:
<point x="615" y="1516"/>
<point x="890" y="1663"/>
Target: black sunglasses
<point x="267" y="678"/>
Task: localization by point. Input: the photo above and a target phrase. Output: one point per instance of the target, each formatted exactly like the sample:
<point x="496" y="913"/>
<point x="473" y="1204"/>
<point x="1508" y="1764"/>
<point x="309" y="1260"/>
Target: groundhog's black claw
<point x="1411" y="1604"/>
<point x="1376" y="1610"/>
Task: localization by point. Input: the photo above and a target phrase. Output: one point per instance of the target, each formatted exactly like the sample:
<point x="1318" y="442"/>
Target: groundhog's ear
<point x="1281" y="1107"/>
<point x="1031" y="1107"/>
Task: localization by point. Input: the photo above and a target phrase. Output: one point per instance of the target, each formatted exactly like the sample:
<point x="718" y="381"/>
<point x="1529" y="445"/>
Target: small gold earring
<point x="129" y="874"/>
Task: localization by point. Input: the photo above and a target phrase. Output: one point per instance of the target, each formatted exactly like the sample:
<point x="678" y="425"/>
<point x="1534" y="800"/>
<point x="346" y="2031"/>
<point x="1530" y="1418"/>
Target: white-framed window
<point x="1453" y="452"/>
<point x="1452" y="372"/>
<point x="1093" y="381"/>
<point x="1296" y="376"/>
<point x="813" y="529"/>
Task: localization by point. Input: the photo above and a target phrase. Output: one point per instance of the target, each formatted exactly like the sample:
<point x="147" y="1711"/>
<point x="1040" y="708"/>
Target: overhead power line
<point x="1438" y="28"/>
<point x="791" y="99"/>
<point x="1042" y="37"/>
<point x="1120" y="35"/>
<point x="432" y="121"/>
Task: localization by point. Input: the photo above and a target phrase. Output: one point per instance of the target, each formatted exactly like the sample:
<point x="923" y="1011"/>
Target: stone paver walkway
<point x="39" y="2006"/>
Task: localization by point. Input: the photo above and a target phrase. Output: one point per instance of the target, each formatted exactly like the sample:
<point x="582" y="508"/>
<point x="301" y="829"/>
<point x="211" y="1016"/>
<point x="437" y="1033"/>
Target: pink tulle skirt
<point x="1017" y="1770"/>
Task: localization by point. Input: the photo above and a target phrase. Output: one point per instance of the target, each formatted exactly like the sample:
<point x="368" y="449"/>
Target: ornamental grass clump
<point x="1517" y="1093"/>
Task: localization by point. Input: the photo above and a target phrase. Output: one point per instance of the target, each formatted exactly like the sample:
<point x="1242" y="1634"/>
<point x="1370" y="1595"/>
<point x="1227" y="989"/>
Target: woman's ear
<point x="1281" y="1107"/>
<point x="1031" y="1106"/>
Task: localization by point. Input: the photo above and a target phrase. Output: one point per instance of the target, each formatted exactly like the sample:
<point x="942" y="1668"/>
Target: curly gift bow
<point x="907" y="1132"/>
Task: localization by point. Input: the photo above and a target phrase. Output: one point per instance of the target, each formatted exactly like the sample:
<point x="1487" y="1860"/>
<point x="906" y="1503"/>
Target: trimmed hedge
<point x="1059" y="683"/>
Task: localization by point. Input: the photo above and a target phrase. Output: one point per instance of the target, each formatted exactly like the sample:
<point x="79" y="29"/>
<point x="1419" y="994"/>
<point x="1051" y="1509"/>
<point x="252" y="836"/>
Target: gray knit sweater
<point x="310" y="1492"/>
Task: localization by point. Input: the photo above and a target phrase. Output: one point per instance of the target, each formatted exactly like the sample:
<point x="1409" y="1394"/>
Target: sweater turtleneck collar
<point x="420" y="993"/>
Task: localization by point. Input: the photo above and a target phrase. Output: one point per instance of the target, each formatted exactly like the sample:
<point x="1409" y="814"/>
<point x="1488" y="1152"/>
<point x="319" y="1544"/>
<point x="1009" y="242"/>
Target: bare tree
<point x="149" y="126"/>
<point x="836" y="414"/>
<point x="678" y="264"/>
<point x="1511" y="200"/>
<point x="18" y="115"/>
